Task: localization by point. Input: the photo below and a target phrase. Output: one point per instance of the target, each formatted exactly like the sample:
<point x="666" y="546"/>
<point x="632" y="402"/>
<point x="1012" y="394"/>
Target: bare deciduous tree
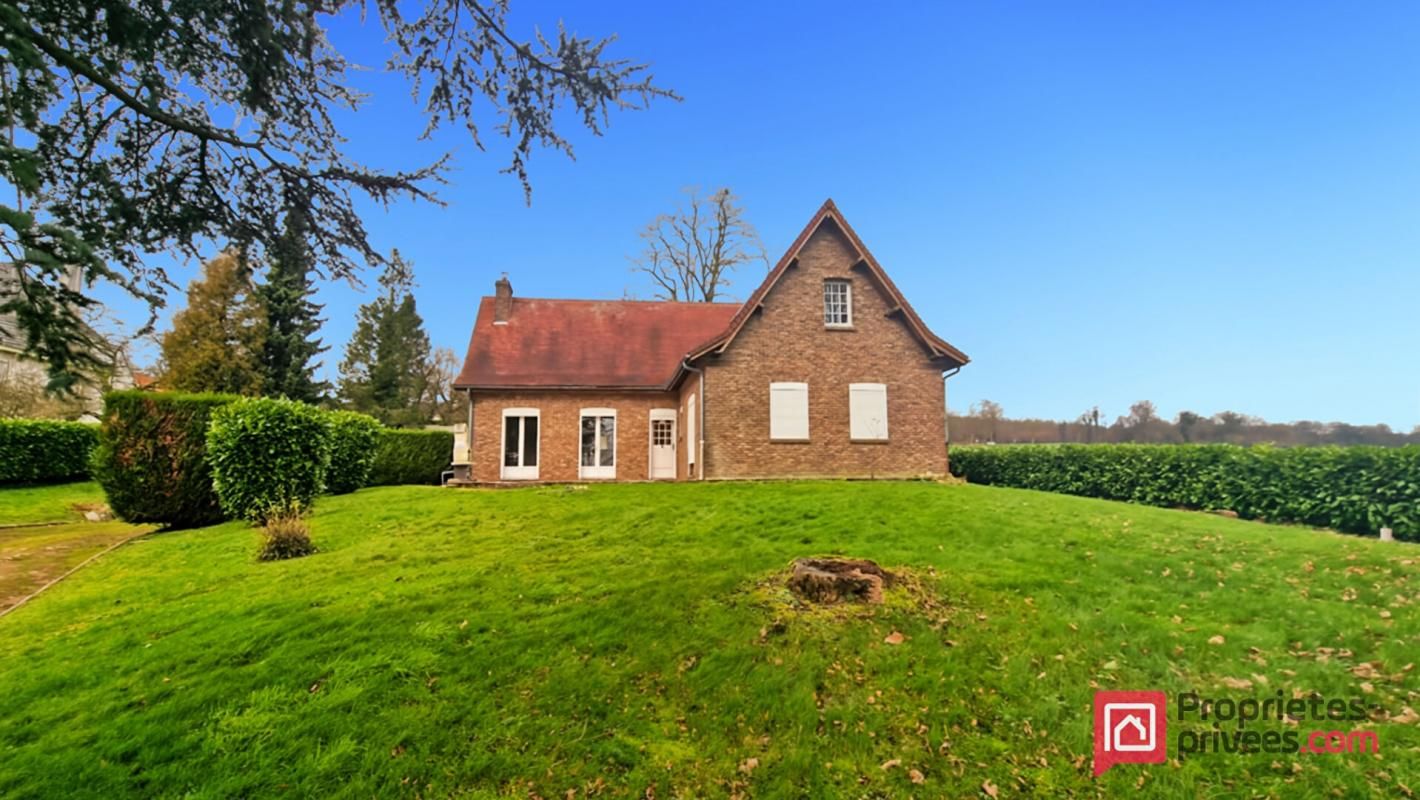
<point x="991" y="413"/>
<point x="690" y="253"/>
<point x="445" y="404"/>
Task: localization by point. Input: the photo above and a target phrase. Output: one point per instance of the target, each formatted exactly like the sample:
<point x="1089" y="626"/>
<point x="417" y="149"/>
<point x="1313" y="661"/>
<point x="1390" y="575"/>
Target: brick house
<point x="824" y="371"/>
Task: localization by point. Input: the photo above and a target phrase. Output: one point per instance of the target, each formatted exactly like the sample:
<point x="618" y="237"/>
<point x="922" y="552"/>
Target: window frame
<point x="854" y="431"/>
<point x="786" y="387"/>
<point x="597" y="471"/>
<point x="847" y="302"/>
<point x="519" y="473"/>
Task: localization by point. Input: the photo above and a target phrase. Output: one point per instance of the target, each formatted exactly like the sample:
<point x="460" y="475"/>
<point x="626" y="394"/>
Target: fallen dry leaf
<point x="893" y="763"/>
<point x="916" y="776"/>
<point x="1237" y="683"/>
<point x="989" y="788"/>
<point x="894" y="638"/>
<point x="747" y="766"/>
<point x="1366" y="669"/>
<point x="1217" y="640"/>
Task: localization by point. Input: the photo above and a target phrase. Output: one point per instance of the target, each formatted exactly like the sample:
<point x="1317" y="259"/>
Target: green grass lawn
<point x="31" y="505"/>
<point x="632" y="641"/>
<point x="43" y="534"/>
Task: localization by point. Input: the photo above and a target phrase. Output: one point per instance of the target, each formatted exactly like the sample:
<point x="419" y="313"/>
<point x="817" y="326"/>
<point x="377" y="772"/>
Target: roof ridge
<point x="712" y="303"/>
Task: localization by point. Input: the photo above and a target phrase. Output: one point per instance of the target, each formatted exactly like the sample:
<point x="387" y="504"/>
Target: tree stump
<point x="834" y="580"/>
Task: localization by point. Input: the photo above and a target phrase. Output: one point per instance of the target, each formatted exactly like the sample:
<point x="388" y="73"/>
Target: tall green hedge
<point x="409" y="456"/>
<point x="151" y="459"/>
<point x="268" y="456"/>
<point x="33" y="450"/>
<point x="353" y="438"/>
<point x="1351" y="489"/>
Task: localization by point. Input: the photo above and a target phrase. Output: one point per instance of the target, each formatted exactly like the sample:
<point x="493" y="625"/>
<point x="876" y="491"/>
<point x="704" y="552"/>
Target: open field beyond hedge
<point x="633" y="640"/>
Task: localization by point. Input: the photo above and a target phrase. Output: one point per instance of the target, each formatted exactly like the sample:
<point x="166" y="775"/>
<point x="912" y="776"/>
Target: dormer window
<point x="837" y="304"/>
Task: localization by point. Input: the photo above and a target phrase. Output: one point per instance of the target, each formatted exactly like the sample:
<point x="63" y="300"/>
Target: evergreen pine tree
<point x="292" y="319"/>
<point x="217" y="341"/>
<point x="386" y="370"/>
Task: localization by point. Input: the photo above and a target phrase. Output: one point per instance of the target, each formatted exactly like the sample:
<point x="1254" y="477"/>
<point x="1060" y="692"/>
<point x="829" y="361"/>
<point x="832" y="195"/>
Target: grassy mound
<point x="627" y="640"/>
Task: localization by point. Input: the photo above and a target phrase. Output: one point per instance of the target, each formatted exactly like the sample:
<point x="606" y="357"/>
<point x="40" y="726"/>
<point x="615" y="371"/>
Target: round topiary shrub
<point x="267" y="456"/>
<point x="353" y="439"/>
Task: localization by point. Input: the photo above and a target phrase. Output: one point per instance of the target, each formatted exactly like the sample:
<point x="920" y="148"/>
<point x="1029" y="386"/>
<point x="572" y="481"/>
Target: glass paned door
<point x="520" y="446"/>
<point x="663" y="444"/>
<point x="598" y="446"/>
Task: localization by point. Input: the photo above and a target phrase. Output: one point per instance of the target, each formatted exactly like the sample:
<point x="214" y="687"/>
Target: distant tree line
<point x="987" y="422"/>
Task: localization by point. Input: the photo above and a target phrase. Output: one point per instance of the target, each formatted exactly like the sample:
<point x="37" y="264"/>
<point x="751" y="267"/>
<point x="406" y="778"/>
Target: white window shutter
<point x="788" y="411"/>
<point x="867" y="411"/>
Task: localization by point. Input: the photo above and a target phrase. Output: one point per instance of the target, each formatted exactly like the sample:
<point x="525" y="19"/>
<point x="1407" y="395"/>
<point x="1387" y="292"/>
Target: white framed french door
<point x="522" y="444"/>
<point x="662" y="444"/>
<point x="597" y="443"/>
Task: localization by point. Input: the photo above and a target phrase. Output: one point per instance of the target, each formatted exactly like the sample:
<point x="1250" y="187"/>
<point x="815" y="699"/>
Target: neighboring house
<point x="824" y="371"/>
<point x="19" y="373"/>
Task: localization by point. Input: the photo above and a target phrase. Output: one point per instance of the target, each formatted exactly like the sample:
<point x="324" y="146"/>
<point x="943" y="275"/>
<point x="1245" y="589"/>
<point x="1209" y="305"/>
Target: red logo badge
<point x="1130" y="728"/>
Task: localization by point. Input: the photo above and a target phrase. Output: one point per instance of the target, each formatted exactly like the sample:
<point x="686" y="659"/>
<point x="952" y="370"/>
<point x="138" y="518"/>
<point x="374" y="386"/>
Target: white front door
<point x="663" y="443"/>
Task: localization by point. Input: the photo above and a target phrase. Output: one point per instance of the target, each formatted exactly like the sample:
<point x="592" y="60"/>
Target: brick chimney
<point x="502" y="300"/>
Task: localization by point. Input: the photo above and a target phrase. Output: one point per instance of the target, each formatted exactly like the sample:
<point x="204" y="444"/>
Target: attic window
<point x="837" y="304"/>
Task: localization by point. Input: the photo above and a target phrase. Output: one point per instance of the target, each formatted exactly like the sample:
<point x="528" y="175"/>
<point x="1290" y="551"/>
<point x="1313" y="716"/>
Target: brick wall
<point x="788" y="341"/>
<point x="560" y="430"/>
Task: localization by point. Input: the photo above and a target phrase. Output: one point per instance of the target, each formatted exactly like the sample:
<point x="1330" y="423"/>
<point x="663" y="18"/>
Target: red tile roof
<point x="587" y="343"/>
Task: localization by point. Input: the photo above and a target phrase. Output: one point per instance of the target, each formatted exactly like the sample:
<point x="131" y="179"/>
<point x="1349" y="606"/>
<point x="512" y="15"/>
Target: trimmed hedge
<point x="411" y="457"/>
<point x="268" y="457"/>
<point x="1352" y="489"/>
<point x="34" y="450"/>
<point x="353" y="437"/>
<point x="152" y="457"/>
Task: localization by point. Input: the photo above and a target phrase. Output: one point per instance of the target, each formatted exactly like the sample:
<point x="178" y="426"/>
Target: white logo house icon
<point x="1122" y="718"/>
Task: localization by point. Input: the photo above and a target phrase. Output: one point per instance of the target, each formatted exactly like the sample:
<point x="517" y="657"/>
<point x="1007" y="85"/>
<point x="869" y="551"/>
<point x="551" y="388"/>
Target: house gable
<point x="895" y="367"/>
<point x="829" y="221"/>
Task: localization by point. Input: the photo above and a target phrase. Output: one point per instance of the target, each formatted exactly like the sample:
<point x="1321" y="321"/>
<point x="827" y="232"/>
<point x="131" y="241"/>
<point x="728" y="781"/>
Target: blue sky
<point x="1212" y="206"/>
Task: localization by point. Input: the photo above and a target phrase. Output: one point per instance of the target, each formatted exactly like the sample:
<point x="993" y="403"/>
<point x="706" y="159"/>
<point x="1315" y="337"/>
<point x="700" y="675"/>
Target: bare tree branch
<point x="690" y="253"/>
<point x="171" y="127"/>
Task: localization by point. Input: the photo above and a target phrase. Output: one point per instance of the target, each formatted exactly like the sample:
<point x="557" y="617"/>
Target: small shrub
<point x="411" y="457"/>
<point x="152" y="457"/>
<point x="267" y="456"/>
<point x="33" y="450"/>
<point x="284" y="536"/>
<point x="353" y="438"/>
<point x="1350" y="489"/>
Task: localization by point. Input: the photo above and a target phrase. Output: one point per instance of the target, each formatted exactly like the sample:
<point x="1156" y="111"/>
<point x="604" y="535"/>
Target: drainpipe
<point x="946" y="417"/>
<point x="700" y="424"/>
<point x="468" y="456"/>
